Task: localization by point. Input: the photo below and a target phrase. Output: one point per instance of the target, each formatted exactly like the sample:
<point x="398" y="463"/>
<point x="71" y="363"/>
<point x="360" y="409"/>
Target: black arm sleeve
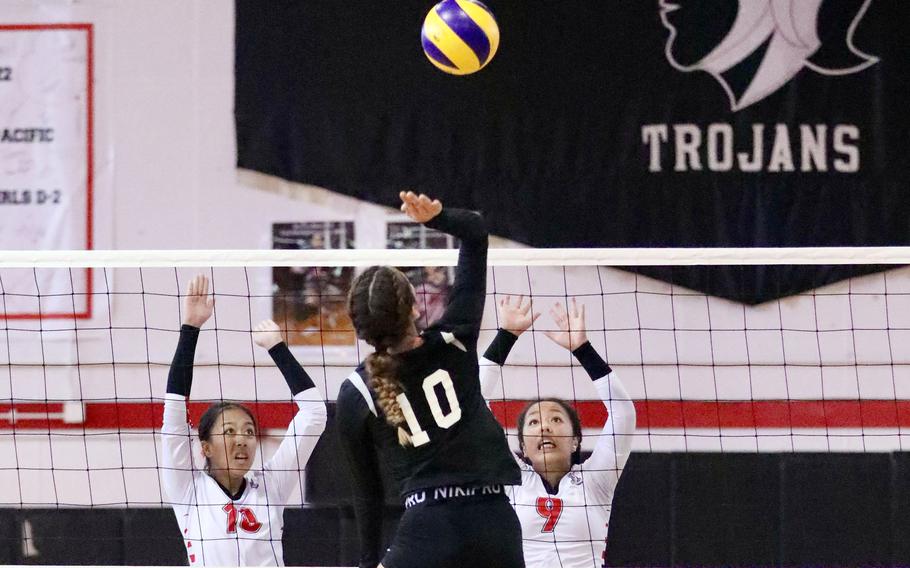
<point x="295" y="375"/>
<point x="180" y="376"/>
<point x="465" y="308"/>
<point x="591" y="360"/>
<point x="363" y="465"/>
<point x="499" y="348"/>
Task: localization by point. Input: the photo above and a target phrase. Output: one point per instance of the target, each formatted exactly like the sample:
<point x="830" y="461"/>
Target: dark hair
<point x="573" y="419"/>
<point x="381" y="304"/>
<point x="211" y="416"/>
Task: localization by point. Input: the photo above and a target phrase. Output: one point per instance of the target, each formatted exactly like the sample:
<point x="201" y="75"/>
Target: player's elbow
<point x="318" y="418"/>
<point x="627" y="420"/>
<point x="479" y="228"/>
<point x="472" y="228"/>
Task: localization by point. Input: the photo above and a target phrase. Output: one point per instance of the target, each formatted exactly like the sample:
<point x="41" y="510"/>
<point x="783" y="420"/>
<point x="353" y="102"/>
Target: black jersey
<point x="456" y="439"/>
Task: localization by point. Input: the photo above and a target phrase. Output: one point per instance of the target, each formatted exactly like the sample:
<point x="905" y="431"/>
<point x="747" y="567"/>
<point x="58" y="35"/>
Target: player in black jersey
<point x="415" y="407"/>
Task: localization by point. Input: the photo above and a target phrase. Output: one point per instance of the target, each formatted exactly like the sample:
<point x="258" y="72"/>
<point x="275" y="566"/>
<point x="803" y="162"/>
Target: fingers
<point x="526" y="308"/>
<point x="520" y="307"/>
<point x="199" y="285"/>
<point x="408" y="199"/>
<point x="574" y="315"/>
<point x="267" y="325"/>
<point x="558" y="313"/>
<point x="578" y="316"/>
<point x="419" y="204"/>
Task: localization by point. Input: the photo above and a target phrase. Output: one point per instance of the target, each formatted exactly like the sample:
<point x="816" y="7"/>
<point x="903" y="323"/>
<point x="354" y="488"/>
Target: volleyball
<point x="460" y="36"/>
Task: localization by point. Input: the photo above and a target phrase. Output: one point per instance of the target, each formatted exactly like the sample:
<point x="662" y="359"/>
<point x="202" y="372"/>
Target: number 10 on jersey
<point x="441" y="377"/>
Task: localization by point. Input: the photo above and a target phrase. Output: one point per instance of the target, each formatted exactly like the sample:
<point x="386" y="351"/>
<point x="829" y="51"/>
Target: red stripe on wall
<point x="741" y="414"/>
<point x="784" y="414"/>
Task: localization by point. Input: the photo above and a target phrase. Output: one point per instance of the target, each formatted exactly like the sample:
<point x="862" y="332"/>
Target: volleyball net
<point x="86" y="340"/>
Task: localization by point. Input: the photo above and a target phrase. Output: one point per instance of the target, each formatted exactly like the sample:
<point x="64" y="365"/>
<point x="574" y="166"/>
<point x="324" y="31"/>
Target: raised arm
<point x="309" y="422"/>
<point x="465" y="307"/>
<point x="515" y="317"/>
<point x="614" y="442"/>
<point x="368" y="494"/>
<point x="177" y="458"/>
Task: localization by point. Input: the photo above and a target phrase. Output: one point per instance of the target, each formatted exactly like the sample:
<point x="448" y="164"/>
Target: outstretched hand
<point x="571" y="324"/>
<point x="267" y="334"/>
<point x="419" y="207"/>
<point x="516" y="317"/>
<point x="198" y="305"/>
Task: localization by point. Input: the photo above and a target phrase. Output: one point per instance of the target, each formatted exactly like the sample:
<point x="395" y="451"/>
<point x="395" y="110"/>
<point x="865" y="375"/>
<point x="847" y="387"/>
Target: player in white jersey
<point x="563" y="503"/>
<point x="229" y="514"/>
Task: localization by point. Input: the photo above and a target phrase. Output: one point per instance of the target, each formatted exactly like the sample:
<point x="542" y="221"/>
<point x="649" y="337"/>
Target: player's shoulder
<point x="355" y="392"/>
<point x="525" y="467"/>
<point x="531" y="484"/>
<point x="443" y="335"/>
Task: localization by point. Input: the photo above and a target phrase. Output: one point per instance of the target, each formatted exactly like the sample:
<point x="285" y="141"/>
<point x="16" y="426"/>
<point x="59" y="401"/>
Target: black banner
<point x="632" y="124"/>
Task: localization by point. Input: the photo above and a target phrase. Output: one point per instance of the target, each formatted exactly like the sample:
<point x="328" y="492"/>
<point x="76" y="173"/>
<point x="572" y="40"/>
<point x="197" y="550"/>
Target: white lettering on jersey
<point x="419" y="436"/>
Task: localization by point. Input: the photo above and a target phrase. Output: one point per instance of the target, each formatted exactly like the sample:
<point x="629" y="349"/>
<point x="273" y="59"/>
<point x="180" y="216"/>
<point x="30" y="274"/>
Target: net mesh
<point x="86" y="342"/>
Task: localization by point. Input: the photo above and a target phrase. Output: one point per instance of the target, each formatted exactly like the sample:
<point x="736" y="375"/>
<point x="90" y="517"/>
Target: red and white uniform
<point x="218" y="530"/>
<point x="568" y="529"/>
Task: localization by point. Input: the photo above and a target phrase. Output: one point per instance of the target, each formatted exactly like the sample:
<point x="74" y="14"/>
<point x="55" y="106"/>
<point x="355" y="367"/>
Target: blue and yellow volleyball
<point x="460" y="36"/>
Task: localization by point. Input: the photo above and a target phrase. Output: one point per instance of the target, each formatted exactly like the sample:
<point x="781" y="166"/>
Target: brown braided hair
<point x="381" y="306"/>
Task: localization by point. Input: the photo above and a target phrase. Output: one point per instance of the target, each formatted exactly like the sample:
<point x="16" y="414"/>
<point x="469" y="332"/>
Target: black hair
<point x="211" y="415"/>
<point x="573" y="419"/>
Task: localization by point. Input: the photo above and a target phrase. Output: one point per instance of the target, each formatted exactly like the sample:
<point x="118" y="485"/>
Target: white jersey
<point x="569" y="529"/>
<point x="218" y="530"/>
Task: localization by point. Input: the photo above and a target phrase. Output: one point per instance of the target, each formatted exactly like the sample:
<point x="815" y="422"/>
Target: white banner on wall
<point x="46" y="163"/>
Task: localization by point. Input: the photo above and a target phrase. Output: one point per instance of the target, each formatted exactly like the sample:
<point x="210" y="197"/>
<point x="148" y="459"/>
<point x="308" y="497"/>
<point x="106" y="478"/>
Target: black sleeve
<point x="295" y="375"/>
<point x="591" y="360"/>
<point x="180" y="376"/>
<point x="499" y="348"/>
<point x="353" y="415"/>
<point x="465" y="308"/>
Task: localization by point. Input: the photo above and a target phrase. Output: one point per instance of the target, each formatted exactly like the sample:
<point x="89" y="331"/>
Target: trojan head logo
<point x="754" y="47"/>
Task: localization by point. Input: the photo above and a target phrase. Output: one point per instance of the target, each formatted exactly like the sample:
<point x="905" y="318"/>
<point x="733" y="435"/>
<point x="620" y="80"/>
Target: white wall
<point x="165" y="165"/>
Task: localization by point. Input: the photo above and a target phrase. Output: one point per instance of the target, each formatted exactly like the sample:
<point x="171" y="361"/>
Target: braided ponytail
<point x="381" y="305"/>
<point x="383" y="368"/>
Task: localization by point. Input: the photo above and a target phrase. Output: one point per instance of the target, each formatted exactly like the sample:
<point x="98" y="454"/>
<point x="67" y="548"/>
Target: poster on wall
<point x="431" y="283"/>
<point x="46" y="173"/>
<point x="310" y="303"/>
